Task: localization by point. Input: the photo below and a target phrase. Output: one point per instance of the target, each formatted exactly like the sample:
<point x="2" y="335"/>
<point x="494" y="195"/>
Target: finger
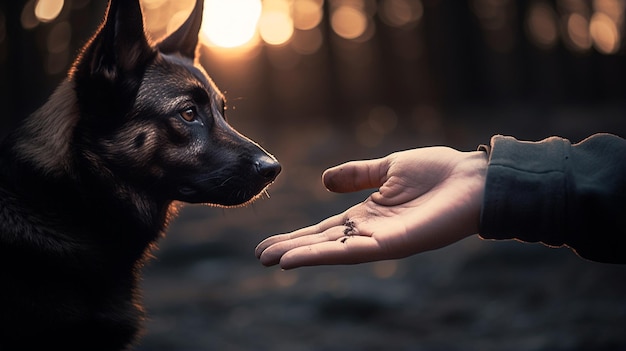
<point x="269" y="242"/>
<point x="355" y="175"/>
<point x="272" y="254"/>
<point x="355" y="249"/>
<point x="320" y="227"/>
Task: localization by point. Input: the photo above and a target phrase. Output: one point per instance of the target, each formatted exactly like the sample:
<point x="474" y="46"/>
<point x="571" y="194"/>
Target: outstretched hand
<point x="427" y="198"/>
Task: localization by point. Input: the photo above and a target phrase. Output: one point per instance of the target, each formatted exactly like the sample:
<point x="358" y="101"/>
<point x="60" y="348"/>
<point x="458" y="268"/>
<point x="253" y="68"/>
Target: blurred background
<point x="321" y="82"/>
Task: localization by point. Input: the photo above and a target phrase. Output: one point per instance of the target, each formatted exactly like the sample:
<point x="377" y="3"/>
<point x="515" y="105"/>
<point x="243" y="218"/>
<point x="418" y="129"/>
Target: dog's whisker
<point x="226" y="181"/>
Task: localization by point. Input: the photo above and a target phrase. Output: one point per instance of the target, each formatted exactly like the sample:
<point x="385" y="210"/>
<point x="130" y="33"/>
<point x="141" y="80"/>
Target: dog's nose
<point x="267" y="167"/>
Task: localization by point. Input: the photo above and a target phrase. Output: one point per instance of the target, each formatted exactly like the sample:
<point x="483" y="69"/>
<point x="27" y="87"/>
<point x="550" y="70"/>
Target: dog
<point x="89" y="181"/>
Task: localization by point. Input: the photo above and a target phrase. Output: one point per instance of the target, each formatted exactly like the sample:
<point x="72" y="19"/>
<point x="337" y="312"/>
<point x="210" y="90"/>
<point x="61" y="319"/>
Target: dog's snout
<point x="267" y="167"/>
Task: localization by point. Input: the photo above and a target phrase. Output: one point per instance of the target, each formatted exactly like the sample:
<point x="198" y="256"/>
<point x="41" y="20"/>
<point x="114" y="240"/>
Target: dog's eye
<point x="188" y="114"/>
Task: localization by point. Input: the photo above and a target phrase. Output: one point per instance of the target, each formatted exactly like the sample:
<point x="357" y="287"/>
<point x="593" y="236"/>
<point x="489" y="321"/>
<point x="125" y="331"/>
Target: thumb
<point x="356" y="175"/>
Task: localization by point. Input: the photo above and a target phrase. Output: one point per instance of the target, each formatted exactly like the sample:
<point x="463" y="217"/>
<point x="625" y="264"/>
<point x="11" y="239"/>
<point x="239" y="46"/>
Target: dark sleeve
<point x="558" y="193"/>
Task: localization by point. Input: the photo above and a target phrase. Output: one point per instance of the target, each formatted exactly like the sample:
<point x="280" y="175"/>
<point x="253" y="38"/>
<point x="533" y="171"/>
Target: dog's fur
<point x="88" y="183"/>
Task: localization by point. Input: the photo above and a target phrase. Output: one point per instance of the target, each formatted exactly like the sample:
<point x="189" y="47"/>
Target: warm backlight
<point x="230" y="23"/>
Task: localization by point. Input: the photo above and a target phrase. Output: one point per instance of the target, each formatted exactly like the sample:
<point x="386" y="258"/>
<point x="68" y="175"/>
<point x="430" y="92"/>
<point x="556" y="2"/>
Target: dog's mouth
<point x="236" y="188"/>
<point x="226" y="195"/>
<point x="187" y="190"/>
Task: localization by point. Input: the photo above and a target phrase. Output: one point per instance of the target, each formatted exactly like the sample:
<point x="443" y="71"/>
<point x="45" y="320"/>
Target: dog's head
<point x="150" y="116"/>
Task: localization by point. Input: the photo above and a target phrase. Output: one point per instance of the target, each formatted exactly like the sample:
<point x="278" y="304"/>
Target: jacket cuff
<point x="525" y="190"/>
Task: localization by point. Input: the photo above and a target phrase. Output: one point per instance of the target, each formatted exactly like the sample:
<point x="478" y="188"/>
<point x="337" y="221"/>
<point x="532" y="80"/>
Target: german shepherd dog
<point x="89" y="181"/>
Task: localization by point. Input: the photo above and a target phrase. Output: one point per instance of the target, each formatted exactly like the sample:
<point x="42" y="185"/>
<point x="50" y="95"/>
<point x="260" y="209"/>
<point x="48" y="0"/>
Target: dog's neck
<point x="46" y="134"/>
<point x="43" y="143"/>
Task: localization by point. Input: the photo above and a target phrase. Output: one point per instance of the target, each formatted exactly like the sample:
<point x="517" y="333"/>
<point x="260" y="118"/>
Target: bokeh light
<point x="231" y="23"/>
<point x="27" y="17"/>
<point x="251" y="23"/>
<point x="498" y="21"/>
<point x="59" y="37"/>
<point x="578" y="32"/>
<point x="276" y="24"/>
<point x="492" y="14"/>
<point x="348" y="22"/>
<point x="48" y="10"/>
<point x="542" y="25"/>
<point x="307" y="14"/>
<point x="399" y="13"/>
<point x="605" y="34"/>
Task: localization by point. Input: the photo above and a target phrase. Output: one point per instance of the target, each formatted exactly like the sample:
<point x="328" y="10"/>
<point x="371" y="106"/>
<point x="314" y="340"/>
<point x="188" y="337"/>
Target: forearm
<point x="559" y="194"/>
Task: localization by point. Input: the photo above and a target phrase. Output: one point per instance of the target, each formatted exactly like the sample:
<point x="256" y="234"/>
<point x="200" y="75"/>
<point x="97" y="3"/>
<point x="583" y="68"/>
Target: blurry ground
<point x="206" y="290"/>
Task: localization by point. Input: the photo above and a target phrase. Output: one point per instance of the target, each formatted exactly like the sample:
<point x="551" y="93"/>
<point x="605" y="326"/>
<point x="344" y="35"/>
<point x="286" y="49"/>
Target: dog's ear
<point x="120" y="44"/>
<point x="185" y="39"/>
<point x="109" y="70"/>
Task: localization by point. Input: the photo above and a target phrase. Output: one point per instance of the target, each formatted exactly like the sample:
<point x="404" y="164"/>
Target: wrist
<point x="477" y="164"/>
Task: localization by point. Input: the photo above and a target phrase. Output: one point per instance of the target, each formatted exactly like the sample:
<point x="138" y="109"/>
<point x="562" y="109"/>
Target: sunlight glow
<point x="153" y="4"/>
<point x="249" y="24"/>
<point x="231" y="23"/>
<point x="176" y="21"/>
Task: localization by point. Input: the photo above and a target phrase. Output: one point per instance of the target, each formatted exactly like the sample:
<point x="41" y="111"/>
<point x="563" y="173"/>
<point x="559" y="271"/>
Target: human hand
<point x="428" y="198"/>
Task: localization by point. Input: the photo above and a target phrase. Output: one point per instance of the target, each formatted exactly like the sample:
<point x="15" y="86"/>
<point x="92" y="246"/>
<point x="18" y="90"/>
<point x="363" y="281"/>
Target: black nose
<point x="267" y="167"/>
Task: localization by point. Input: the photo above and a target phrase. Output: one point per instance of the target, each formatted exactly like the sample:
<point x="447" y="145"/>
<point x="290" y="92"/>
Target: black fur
<point x="88" y="182"/>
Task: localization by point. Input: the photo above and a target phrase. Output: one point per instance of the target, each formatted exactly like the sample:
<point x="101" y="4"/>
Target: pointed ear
<point x="185" y="39"/>
<point x="120" y="44"/>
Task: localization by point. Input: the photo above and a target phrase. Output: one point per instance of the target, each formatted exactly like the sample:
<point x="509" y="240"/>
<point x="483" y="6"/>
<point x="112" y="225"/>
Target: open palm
<point x="427" y="198"/>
